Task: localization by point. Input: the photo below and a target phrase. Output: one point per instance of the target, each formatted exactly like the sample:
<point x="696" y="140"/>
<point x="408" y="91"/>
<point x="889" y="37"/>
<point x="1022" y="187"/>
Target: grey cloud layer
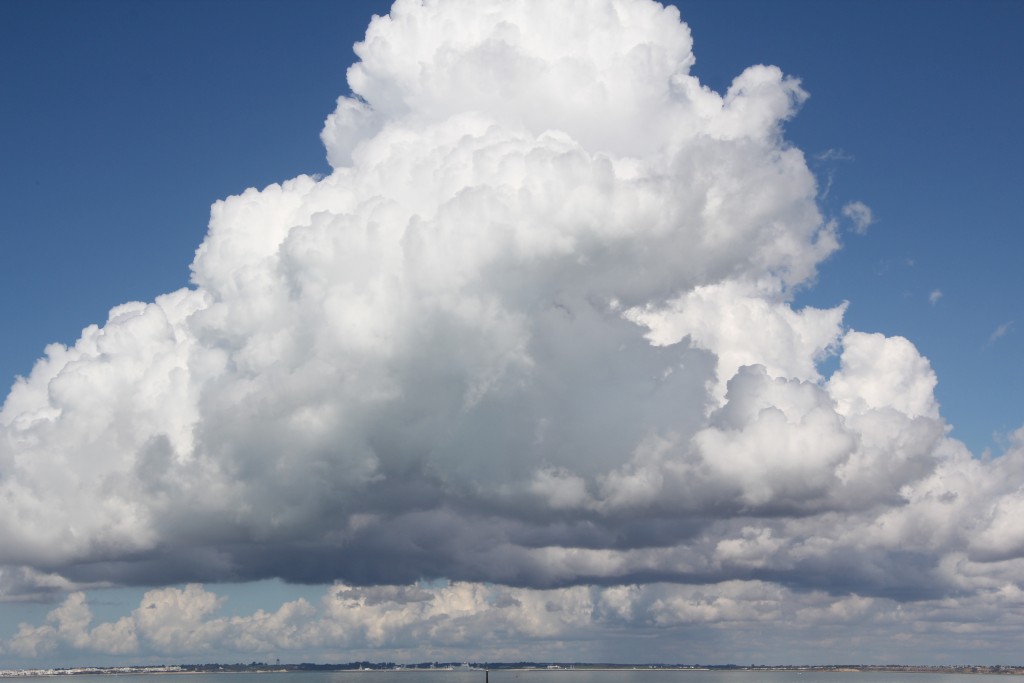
<point x="533" y="330"/>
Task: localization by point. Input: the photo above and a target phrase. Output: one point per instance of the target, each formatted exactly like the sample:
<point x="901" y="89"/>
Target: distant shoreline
<point x="369" y="667"/>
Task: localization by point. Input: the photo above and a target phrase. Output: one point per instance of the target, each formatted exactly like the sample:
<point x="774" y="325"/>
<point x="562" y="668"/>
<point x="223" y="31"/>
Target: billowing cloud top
<point x="533" y="330"/>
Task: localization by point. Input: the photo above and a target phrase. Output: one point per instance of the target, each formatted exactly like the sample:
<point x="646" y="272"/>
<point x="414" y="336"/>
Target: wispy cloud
<point x="1000" y="332"/>
<point x="934" y="296"/>
<point x="833" y="155"/>
<point x="861" y="216"/>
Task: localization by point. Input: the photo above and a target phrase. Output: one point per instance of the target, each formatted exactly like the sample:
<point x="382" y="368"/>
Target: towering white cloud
<point x="534" y="330"/>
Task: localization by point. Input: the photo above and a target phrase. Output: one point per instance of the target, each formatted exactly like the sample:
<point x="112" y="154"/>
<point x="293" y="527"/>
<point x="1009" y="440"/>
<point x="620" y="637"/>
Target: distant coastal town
<point x="262" y="667"/>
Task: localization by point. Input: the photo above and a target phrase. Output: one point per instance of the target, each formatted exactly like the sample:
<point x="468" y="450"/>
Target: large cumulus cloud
<point x="533" y="330"/>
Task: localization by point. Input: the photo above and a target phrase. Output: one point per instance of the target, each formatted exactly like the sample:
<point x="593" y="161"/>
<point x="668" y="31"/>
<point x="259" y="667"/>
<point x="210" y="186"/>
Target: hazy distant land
<point x="262" y="667"/>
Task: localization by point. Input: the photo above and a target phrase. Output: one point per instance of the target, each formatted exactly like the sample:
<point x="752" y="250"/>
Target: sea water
<point x="638" y="675"/>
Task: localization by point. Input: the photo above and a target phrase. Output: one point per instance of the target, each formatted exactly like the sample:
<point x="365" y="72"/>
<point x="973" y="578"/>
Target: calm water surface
<point x="577" y="676"/>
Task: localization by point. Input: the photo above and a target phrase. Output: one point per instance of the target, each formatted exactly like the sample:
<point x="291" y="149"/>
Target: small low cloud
<point x="1000" y="332"/>
<point x="934" y="296"/>
<point x="860" y="214"/>
<point x="461" y="619"/>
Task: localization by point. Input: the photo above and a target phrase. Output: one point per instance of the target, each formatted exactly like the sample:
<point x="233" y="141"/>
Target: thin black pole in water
<point x="487" y="676"/>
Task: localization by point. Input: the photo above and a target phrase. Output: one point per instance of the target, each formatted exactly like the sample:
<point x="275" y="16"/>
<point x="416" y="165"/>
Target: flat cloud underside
<point x="534" y="331"/>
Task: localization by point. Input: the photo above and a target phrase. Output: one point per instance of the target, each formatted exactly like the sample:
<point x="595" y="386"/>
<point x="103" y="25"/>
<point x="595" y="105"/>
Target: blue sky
<point x="128" y="107"/>
<point x="916" y="100"/>
<point x="123" y="122"/>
